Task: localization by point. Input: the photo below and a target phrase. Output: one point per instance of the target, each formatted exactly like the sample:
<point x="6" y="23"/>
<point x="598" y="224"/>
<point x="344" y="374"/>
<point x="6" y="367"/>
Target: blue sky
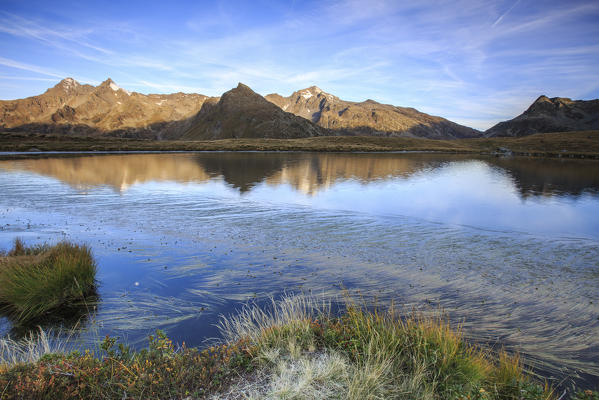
<point x="473" y="62"/>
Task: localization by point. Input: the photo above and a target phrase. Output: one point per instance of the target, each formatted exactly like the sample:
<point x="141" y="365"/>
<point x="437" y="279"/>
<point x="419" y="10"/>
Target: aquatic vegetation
<point x="296" y="349"/>
<point x="38" y="281"/>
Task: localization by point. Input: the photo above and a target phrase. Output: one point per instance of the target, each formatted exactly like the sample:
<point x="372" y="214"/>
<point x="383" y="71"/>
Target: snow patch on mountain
<point x="116" y="88"/>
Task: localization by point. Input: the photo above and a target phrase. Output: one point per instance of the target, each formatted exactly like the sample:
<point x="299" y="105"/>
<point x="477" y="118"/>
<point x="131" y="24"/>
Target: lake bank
<point x="293" y="348"/>
<point x="566" y="144"/>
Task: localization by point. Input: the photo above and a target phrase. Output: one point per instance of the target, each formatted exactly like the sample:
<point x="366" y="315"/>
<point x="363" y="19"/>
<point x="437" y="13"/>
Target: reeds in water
<point x="38" y="281"/>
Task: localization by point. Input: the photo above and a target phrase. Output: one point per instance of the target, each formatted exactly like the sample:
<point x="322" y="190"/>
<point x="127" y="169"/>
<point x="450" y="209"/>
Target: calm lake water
<point x="508" y="246"/>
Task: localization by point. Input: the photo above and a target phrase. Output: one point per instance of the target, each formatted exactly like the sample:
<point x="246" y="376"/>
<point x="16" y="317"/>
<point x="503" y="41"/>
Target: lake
<point x="507" y="246"/>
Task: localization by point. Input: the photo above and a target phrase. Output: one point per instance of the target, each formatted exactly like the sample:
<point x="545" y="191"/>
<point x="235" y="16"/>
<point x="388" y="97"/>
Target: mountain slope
<point x="70" y="107"/>
<point x="551" y="115"/>
<point x="367" y="117"/>
<point x="242" y="113"/>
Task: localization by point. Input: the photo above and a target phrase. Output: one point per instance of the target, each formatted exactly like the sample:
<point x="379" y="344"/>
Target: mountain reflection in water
<point x="306" y="172"/>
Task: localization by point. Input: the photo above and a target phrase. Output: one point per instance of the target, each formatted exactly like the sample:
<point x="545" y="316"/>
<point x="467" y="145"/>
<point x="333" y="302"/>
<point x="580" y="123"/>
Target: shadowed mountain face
<point x="242" y="113"/>
<point x="551" y="115"/>
<point x="368" y="117"/>
<point x="72" y="108"/>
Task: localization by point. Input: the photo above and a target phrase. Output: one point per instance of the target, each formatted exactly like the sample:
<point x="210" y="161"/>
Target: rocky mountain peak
<point x="243" y="113"/>
<point x="307" y="93"/>
<point x="314" y="90"/>
<point x="68" y="83"/>
<point x="240" y="95"/>
<point x="109" y="83"/>
<point x="544" y="105"/>
<point x="241" y="87"/>
<point x="542" y="98"/>
<point x="66" y="88"/>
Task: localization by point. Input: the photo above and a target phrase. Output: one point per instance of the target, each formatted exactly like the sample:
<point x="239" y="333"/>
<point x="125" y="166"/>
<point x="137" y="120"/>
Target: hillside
<point x="367" y="117"/>
<point x="73" y="108"/>
<point x="242" y="113"/>
<point x="557" y="114"/>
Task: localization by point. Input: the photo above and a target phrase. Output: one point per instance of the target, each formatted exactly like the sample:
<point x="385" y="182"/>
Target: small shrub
<point x="587" y="395"/>
<point x="161" y="371"/>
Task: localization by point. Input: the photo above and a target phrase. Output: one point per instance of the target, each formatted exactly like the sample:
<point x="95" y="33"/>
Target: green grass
<point x="296" y="349"/>
<point x="37" y="282"/>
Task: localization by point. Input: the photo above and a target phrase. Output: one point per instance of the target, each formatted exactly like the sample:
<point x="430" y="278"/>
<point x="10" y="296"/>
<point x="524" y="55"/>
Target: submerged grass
<point x="296" y="349"/>
<point x="40" y="280"/>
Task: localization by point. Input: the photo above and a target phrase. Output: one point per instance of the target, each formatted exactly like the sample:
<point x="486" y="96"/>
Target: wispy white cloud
<point x="26" y="78"/>
<point x="502" y="16"/>
<point x="31" y="68"/>
<point x="165" y="87"/>
<point x="19" y="26"/>
<point x="461" y="59"/>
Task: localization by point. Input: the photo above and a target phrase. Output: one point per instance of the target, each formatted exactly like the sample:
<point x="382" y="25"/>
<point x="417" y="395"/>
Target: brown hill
<point x="367" y="117"/>
<point x="242" y="113"/>
<point x="70" y="107"/>
<point x="545" y="115"/>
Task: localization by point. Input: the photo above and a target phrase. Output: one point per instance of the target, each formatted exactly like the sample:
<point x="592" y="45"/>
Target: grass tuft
<point x="38" y="281"/>
<point x="32" y="347"/>
<point x="386" y="355"/>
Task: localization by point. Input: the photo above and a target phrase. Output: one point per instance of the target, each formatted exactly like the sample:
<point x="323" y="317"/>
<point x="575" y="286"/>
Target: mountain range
<point x="107" y="109"/>
<point x="72" y="108"/>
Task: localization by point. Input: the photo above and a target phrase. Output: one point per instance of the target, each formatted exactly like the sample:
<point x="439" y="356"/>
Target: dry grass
<point x="32" y="348"/>
<point x="374" y="355"/>
<point x="291" y="311"/>
<point x="565" y="144"/>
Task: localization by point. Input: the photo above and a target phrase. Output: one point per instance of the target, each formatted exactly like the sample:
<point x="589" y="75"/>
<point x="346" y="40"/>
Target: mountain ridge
<point x="73" y="108"/>
<point x="367" y="117"/>
<point x="107" y="109"/>
<point x="544" y="115"/>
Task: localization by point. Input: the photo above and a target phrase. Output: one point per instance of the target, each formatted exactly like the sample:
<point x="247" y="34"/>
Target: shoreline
<point x="265" y="351"/>
<point x="581" y="145"/>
